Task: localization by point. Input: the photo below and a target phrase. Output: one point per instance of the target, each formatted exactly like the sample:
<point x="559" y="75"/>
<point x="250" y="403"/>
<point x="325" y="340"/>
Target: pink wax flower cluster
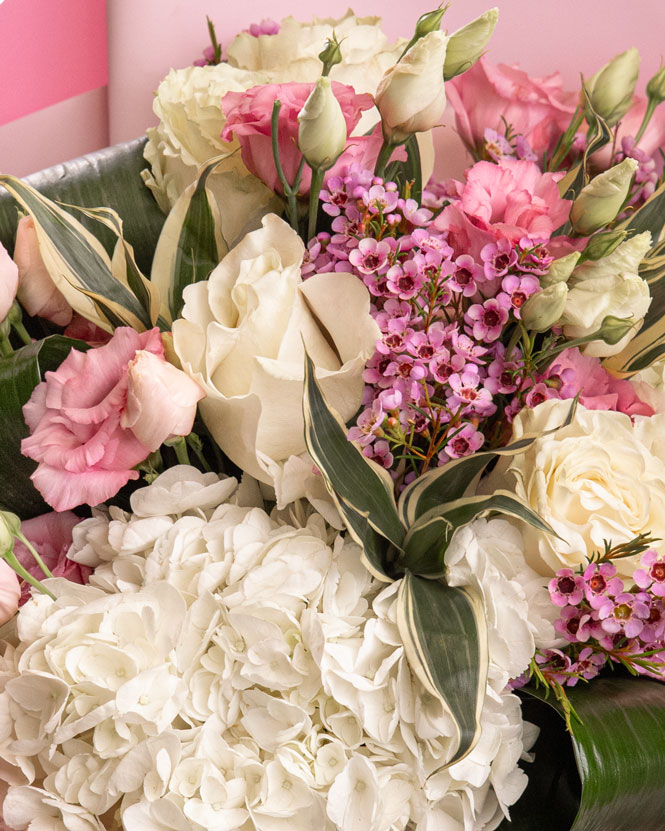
<point x="604" y="620"/>
<point x="101" y="413"/>
<point x="440" y="368"/>
<point x="248" y="119"/>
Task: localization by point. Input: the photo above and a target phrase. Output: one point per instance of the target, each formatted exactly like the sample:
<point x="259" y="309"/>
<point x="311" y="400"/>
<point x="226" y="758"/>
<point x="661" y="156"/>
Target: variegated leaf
<point x="444" y="631"/>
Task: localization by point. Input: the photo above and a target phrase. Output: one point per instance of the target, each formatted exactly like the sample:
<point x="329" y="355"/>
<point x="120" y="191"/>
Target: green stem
<point x="383" y="158"/>
<point x="651" y="108"/>
<point x="26" y="542"/>
<point x="314" y="191"/>
<point x="5" y="346"/>
<point x="289" y="192"/>
<point x="22" y="332"/>
<point x="10" y="559"/>
<point x="180" y="446"/>
<point x="195" y="444"/>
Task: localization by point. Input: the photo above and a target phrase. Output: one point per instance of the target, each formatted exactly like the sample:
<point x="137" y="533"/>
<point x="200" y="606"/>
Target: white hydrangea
<point x="230" y="670"/>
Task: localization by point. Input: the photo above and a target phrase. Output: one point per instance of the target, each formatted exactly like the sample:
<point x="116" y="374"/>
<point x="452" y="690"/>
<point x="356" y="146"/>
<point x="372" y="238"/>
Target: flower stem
<point x="314" y="191"/>
<point x="5" y="346"/>
<point x="651" y="107"/>
<point x="289" y="192"/>
<point x="383" y="158"/>
<point x="26" y="542"/>
<point x="10" y="559"/>
<point x="180" y="446"/>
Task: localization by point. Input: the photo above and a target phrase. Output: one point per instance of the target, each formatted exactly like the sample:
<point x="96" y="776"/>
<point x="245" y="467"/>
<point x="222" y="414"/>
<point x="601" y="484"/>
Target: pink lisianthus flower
<point x="248" y="118"/>
<point x="598" y="389"/>
<point x="50" y="535"/>
<point x="535" y="108"/>
<point x="101" y="413"/>
<point x="512" y="199"/>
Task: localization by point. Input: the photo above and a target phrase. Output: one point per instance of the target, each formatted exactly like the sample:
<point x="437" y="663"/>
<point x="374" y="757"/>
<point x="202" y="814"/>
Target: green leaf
<point x="427" y="540"/>
<point x="78" y="263"/>
<point x="444" y="632"/>
<point x="364" y="491"/>
<point x="191" y="243"/>
<point x="109" y="177"/>
<point x="453" y="480"/>
<point x="648" y="217"/>
<point x="19" y="375"/>
<point x="409" y="170"/>
<point x="619" y="749"/>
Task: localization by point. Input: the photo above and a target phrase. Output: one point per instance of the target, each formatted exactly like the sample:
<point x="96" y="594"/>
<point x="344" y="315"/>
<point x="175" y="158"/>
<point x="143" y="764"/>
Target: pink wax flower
<point x="248" y="116"/>
<point x="265" y="27"/>
<point x="101" y="413"/>
<point x="487" y="320"/>
<point x="10" y="592"/>
<point x="651" y="141"/>
<point x="536" y="108"/>
<point x="513" y="199"/>
<point x="587" y="665"/>
<point x="567" y="588"/>
<point x="652" y="574"/>
<point x="8" y="282"/>
<point x="51" y="535"/>
<point x="601" y="580"/>
<point x="574" y="624"/>
<point x="627" y="613"/>
<point x="598" y="389"/>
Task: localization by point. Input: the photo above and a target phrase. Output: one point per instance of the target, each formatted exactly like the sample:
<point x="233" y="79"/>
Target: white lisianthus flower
<point x="241" y="338"/>
<point x="650" y="385"/>
<point x="609" y="286"/>
<point x="601" y="478"/>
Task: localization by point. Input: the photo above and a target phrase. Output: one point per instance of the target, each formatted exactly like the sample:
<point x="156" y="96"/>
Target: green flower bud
<point x="656" y="86"/>
<point x="601" y="200"/>
<point x="611" y="88"/>
<point x="542" y="310"/>
<point x="322" y="128"/>
<point x="331" y="55"/>
<point x="468" y="44"/>
<point x="613" y="329"/>
<point x="560" y="270"/>
<point x="429" y="22"/>
<point x="10" y="525"/>
<point x="602" y="245"/>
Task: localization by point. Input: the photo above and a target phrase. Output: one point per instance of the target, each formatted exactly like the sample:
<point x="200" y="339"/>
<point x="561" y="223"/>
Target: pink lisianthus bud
<point x="80" y="419"/>
<point x="10" y="592"/>
<point x="37" y="292"/>
<point x="152" y="382"/>
<point x="8" y="282"/>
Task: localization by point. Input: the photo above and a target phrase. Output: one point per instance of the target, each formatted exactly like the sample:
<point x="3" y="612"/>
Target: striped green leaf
<point x="362" y="489"/>
<point x="191" y="243"/>
<point x="78" y="263"/>
<point x="648" y="217"/>
<point x="613" y="779"/>
<point x="444" y="632"/>
<point x="19" y="375"/>
<point x="427" y="540"/>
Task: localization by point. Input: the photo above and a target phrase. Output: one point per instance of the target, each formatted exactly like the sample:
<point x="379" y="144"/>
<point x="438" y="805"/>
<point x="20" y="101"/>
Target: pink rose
<point x="51" y="535"/>
<point x="10" y="592"/>
<point x="511" y="199"/>
<point x="248" y="116"/>
<point x="598" y="389"/>
<point x="536" y="108"/>
<point x="37" y="292"/>
<point x="8" y="282"/>
<point x="81" y="418"/>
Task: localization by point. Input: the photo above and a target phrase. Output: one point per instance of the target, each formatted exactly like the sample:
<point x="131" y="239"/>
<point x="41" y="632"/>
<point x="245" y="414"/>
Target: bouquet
<point x="347" y="513"/>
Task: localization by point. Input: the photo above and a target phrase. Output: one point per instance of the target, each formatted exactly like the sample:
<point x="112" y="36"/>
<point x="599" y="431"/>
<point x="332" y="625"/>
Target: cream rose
<point x="601" y="478"/>
<point x="609" y="286"/>
<point x="241" y="338"/>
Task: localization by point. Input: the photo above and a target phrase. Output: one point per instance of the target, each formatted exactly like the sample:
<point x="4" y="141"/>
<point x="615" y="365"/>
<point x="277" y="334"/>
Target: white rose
<point x="411" y="97"/>
<point x="188" y="104"/>
<point x="242" y="339"/>
<point x="601" y="478"/>
<point x="609" y="286"/>
<point x="650" y="385"/>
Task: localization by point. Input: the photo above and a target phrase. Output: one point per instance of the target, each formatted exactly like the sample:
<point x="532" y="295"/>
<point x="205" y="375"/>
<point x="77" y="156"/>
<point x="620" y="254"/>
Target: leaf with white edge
<point x="123" y="264"/>
<point x="78" y="263"/>
<point x="427" y="540"/>
<point x="191" y="244"/>
<point x="359" y="483"/>
<point x="650" y="216"/>
<point x="454" y="479"/>
<point x="444" y="632"/>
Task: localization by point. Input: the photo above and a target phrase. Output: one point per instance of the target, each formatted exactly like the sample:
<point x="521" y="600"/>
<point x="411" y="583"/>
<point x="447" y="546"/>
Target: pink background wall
<point x="53" y="55"/>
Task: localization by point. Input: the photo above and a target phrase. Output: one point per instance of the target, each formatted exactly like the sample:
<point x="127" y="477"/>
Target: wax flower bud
<point x="542" y="310"/>
<point x="322" y="128"/>
<point x="656" y="86"/>
<point x="560" y="270"/>
<point x="601" y="200"/>
<point x="602" y="245"/>
<point x="611" y="88"/>
<point x="411" y="97"/>
<point x="467" y="44"/>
